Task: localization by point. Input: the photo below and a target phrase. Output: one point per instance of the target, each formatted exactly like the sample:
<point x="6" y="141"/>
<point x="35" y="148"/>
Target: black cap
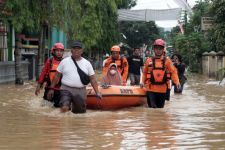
<point x="77" y="44"/>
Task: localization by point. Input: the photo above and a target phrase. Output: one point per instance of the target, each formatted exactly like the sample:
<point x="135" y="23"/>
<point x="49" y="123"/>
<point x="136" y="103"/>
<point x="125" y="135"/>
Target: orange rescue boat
<point x="116" y="97"/>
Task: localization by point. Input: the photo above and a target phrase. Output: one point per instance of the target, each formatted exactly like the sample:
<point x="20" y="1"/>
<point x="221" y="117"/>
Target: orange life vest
<point x="157" y="73"/>
<point x="53" y="68"/>
<point x="122" y="66"/>
<point x="118" y="62"/>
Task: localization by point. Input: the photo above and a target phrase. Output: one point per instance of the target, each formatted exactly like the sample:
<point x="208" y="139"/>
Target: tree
<point x="34" y="15"/>
<point x="201" y="9"/>
<point x="139" y="33"/>
<point x="94" y="22"/>
<point x="218" y="9"/>
<point x="126" y="4"/>
<point x="15" y="18"/>
<point x="193" y="43"/>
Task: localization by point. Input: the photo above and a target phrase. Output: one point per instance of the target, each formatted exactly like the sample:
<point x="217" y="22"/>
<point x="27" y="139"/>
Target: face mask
<point x="112" y="72"/>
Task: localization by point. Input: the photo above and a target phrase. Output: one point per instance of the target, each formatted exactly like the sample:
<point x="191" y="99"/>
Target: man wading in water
<point x="157" y="71"/>
<point x="48" y="73"/>
<point x="72" y="90"/>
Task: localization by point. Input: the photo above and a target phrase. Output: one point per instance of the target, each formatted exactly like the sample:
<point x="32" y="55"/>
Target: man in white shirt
<point x="73" y="91"/>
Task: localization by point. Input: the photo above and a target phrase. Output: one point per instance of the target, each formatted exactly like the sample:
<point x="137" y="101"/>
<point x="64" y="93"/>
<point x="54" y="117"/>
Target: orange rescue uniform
<point x="170" y="73"/>
<point x="48" y="72"/>
<point x="169" y="86"/>
<point x="122" y="66"/>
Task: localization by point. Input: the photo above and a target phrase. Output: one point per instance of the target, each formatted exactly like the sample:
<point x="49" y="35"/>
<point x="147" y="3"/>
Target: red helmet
<point x="57" y="46"/>
<point x="115" y="48"/>
<point x="159" y="42"/>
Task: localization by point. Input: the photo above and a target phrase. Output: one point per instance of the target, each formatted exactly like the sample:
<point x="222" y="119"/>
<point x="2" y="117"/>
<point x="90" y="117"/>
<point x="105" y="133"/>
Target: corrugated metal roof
<point x="149" y="14"/>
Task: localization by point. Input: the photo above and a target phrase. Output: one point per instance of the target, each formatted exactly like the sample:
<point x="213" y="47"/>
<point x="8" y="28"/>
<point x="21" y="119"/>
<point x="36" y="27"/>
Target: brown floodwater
<point x="193" y="120"/>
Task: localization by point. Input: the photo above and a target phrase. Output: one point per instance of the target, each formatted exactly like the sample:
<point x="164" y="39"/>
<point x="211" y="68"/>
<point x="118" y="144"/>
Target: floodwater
<point x="193" y="120"/>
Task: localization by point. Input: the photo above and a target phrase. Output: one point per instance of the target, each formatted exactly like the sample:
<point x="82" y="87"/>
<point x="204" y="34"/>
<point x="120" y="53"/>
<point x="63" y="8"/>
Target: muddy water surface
<point x="193" y="120"/>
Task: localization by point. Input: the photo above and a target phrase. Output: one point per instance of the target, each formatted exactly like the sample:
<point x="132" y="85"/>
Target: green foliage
<point x="191" y="47"/>
<point x="94" y="22"/>
<point x="218" y="9"/>
<point x="200" y="9"/>
<point x="219" y="36"/>
<point x="109" y="25"/>
<point x="222" y="73"/>
<point x="138" y="33"/>
<point x="18" y="18"/>
<point x="193" y="43"/>
<point x="126" y="4"/>
<point x="84" y="24"/>
<point x="31" y="15"/>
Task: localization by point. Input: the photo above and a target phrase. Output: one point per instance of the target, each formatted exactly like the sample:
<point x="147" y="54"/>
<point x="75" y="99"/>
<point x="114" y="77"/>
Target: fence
<point x="212" y="62"/>
<point x="7" y="71"/>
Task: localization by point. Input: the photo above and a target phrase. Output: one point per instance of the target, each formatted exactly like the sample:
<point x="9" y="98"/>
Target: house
<point x="28" y="50"/>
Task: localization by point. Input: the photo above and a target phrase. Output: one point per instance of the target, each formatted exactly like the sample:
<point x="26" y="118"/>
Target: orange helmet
<point x="57" y="46"/>
<point x="115" y="48"/>
<point x="159" y="42"/>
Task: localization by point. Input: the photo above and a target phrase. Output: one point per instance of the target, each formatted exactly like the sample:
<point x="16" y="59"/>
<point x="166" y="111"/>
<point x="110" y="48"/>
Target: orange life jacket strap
<point x="152" y="74"/>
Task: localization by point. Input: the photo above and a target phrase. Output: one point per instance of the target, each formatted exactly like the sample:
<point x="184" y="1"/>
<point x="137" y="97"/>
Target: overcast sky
<point x="161" y="4"/>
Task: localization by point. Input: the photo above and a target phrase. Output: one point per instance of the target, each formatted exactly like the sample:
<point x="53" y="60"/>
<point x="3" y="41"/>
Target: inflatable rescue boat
<point x="116" y="97"/>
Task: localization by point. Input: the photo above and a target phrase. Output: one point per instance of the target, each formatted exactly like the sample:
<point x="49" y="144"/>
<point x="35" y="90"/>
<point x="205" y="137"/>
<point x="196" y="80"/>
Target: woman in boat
<point x="121" y="62"/>
<point x="112" y="77"/>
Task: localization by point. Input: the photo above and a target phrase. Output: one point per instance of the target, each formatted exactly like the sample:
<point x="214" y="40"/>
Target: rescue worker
<point x="156" y="73"/>
<point x="48" y="73"/>
<point x="121" y="62"/>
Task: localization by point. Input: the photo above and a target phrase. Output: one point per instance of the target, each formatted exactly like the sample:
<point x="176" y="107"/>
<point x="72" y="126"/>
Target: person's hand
<point x="105" y="86"/>
<point x="38" y="88"/>
<point x="99" y="95"/>
<point x="178" y="86"/>
<point x="50" y="94"/>
<point x="141" y="85"/>
<point x="124" y="83"/>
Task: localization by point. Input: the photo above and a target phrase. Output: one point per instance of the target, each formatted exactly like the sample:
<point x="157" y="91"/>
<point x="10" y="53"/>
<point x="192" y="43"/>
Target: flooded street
<point x="194" y="120"/>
